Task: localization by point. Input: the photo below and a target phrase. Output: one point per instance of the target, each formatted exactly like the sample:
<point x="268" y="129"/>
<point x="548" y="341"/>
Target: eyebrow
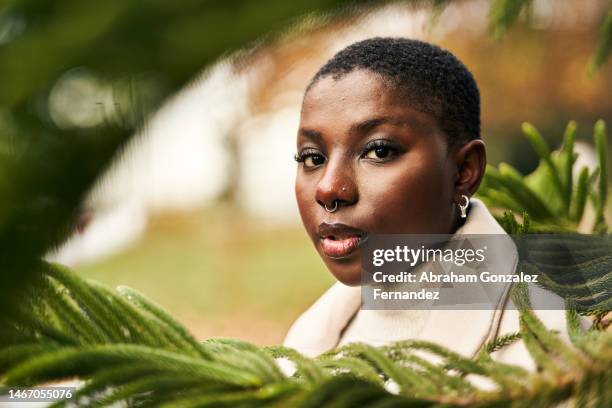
<point x="369" y="124"/>
<point x="359" y="128"/>
<point x="311" y="134"/>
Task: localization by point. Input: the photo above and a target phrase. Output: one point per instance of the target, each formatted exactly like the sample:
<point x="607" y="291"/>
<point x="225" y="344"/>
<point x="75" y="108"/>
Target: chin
<point x="350" y="276"/>
<point x="345" y="270"/>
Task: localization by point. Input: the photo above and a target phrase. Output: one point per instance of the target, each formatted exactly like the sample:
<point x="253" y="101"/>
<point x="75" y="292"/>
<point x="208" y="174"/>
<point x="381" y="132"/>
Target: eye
<point x="311" y="158"/>
<point x="379" y="150"/>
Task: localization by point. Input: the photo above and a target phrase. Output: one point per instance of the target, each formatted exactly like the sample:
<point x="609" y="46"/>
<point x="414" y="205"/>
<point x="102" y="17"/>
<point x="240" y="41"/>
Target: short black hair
<point x="433" y="80"/>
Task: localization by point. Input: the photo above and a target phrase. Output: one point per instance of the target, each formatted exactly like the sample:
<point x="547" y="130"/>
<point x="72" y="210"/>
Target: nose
<point x="337" y="187"/>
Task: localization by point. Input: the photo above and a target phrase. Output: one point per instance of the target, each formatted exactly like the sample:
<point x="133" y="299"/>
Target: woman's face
<point x="386" y="165"/>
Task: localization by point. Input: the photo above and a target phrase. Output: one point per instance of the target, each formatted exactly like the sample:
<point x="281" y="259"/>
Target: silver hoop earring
<point x="463" y="207"/>
<point x="334" y="208"/>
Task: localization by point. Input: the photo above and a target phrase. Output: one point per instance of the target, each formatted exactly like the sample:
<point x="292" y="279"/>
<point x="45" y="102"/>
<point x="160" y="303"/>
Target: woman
<point x="389" y="143"/>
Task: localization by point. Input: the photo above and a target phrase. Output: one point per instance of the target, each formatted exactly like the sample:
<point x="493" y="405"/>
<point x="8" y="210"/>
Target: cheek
<point x="413" y="196"/>
<point x="304" y="193"/>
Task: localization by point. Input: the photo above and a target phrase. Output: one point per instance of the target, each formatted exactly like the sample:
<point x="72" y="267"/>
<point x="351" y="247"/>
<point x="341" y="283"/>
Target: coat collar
<point x="320" y="328"/>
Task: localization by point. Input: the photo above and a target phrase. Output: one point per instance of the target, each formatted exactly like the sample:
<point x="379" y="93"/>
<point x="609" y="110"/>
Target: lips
<point x="339" y="240"/>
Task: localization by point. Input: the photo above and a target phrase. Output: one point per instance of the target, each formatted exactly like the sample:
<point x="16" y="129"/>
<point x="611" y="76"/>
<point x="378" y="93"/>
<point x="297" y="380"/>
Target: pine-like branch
<point x="237" y="373"/>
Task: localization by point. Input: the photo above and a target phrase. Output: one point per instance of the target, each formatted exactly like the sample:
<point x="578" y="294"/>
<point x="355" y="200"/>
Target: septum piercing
<point x="334" y="208"/>
<point x="463" y="207"/>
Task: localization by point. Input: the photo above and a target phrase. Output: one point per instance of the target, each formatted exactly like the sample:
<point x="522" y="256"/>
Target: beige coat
<point x="336" y="319"/>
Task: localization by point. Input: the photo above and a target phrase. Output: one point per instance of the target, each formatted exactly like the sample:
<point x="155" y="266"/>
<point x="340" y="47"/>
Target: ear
<point x="471" y="161"/>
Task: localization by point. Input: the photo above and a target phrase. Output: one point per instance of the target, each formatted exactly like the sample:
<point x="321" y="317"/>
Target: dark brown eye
<point x="310" y="158"/>
<point x="313" y="160"/>
<point x="379" y="152"/>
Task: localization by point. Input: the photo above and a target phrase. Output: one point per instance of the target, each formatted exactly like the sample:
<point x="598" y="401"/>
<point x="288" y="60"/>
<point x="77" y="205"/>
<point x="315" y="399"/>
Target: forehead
<point x="334" y="104"/>
<point x="358" y="88"/>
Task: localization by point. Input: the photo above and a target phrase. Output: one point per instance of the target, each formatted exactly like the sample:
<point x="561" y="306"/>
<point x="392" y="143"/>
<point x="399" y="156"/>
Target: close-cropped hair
<point x="428" y="78"/>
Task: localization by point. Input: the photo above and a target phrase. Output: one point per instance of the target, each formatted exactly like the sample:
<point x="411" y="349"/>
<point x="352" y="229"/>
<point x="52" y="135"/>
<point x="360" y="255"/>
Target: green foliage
<point x="576" y="267"/>
<point x="504" y="13"/>
<point x="127" y="349"/>
<point x="600" y="199"/>
<point x="604" y="42"/>
<point x="554" y="200"/>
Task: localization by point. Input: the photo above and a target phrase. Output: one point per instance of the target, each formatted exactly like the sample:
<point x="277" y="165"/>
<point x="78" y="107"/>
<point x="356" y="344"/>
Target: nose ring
<point x="334" y="208"/>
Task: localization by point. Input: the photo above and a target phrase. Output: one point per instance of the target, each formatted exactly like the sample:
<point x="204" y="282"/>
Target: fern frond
<point x="237" y="373"/>
<point x="135" y="297"/>
<point x="501" y="342"/>
<point x="306" y="368"/>
<point x="72" y="361"/>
